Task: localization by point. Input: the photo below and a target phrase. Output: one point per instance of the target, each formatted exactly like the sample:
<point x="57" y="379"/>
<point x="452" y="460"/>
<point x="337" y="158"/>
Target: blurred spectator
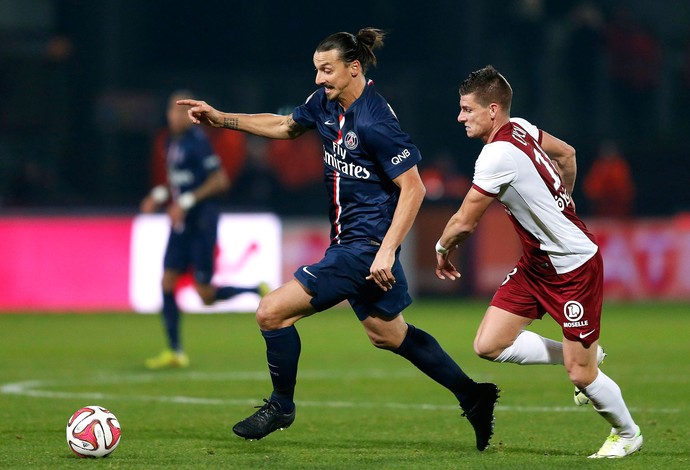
<point x="298" y="163"/>
<point x="609" y="185"/>
<point x="231" y="147"/>
<point x="443" y="180"/>
<point x="634" y="61"/>
<point x="257" y="187"/>
<point x="298" y="166"/>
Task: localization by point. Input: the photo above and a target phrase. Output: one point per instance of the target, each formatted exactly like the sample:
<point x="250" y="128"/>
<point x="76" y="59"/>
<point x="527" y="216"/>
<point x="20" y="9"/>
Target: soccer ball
<point x="93" y="431"/>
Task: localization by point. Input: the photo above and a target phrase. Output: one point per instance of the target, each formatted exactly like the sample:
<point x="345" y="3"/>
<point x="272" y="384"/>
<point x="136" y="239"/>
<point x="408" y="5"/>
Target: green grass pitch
<point x="357" y="407"/>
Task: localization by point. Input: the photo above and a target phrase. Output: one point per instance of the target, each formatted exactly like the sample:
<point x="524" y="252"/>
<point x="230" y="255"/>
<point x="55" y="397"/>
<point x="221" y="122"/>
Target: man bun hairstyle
<point x="350" y="47"/>
<point x="489" y="86"/>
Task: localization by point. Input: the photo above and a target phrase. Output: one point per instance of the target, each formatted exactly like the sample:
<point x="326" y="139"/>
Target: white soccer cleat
<point x="616" y="446"/>
<point x="579" y="397"/>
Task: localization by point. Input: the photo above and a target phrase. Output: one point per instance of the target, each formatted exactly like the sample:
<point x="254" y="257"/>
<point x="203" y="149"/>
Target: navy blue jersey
<point x="190" y="159"/>
<point x="364" y="150"/>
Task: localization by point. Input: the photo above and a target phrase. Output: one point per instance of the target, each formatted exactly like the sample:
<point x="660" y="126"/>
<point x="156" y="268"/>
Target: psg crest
<point x="351" y="140"/>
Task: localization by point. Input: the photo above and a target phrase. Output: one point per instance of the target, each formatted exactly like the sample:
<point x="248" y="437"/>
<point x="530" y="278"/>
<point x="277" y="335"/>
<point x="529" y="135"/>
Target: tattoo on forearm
<point x="294" y="129"/>
<point x="231" y="123"/>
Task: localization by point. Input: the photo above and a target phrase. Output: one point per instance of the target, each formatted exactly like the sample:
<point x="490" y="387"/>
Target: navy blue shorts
<point x="341" y="274"/>
<point x="194" y="245"/>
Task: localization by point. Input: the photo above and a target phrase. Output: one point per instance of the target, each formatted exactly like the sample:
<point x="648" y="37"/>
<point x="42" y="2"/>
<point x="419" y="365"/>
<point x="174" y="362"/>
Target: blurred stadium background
<point x="84" y="84"/>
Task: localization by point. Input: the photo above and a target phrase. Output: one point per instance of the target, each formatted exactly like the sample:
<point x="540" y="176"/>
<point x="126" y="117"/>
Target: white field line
<point x="42" y="389"/>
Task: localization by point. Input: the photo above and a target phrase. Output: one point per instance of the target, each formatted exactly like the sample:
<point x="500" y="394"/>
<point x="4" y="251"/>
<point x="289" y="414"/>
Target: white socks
<point x="530" y="348"/>
<point x="604" y="393"/>
<point x="607" y="399"/>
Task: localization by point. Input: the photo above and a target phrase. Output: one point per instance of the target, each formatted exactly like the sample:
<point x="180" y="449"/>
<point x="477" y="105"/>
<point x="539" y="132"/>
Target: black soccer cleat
<point x="481" y="413"/>
<point x="269" y="418"/>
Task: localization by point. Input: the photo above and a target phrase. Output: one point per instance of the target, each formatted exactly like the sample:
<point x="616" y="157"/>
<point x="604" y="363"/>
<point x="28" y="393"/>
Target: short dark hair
<point x="350" y="47"/>
<point x="488" y="86"/>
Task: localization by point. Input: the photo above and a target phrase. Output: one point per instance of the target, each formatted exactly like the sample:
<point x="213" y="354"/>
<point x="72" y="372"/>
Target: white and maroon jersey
<point x="514" y="169"/>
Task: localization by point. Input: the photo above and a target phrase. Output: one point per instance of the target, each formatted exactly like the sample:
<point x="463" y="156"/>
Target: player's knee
<point x="389" y="340"/>
<point x="381" y="342"/>
<point x="582" y="377"/>
<point x="206" y="293"/>
<point x="486" y="350"/>
<point x="266" y="316"/>
<point x="168" y="285"/>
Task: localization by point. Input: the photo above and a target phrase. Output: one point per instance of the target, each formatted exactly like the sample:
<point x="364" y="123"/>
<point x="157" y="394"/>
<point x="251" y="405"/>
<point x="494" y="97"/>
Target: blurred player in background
<point x="375" y="193"/>
<point x="609" y="184"/>
<point x="560" y="272"/>
<point x="195" y="179"/>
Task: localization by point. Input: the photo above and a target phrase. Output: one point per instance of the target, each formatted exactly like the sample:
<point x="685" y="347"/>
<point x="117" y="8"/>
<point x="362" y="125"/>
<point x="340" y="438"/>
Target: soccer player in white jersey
<point x="560" y="272"/>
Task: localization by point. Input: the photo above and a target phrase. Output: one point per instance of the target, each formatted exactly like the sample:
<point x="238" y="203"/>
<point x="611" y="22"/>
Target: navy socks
<point x="171" y="320"/>
<point x="422" y="350"/>
<point x="223" y="293"/>
<point x="171" y="312"/>
<point x="283" y="348"/>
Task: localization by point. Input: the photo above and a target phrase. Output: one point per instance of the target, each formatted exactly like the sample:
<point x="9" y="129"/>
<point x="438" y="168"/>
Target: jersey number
<point x="540" y="158"/>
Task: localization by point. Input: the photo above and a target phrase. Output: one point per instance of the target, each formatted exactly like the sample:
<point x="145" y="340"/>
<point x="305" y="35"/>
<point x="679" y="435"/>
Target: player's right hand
<point x="177" y="214"/>
<point x="200" y="112"/>
<point x="445" y="269"/>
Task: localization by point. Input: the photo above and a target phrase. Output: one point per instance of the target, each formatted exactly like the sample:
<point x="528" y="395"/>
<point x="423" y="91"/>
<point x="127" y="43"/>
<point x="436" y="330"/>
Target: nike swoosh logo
<point x="586" y="334"/>
<point x="304" y="268"/>
<point x="329" y="122"/>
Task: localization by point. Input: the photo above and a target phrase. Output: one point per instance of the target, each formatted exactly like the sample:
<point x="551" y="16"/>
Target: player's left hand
<point x="381" y="271"/>
<point x="148" y="205"/>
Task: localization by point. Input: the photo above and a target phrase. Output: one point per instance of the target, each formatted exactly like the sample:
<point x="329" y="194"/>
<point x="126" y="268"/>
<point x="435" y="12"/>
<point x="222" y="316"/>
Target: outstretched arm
<point x="458" y="229"/>
<point x="273" y="126"/>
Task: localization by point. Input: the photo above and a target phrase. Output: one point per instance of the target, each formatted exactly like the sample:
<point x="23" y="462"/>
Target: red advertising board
<point x="645" y="259"/>
<point x="115" y="263"/>
<point x="61" y="263"/>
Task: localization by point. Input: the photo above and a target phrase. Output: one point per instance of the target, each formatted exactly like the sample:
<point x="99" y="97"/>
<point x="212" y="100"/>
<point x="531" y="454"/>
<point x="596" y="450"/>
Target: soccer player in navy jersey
<point x="375" y="191"/>
<point x="532" y="173"/>
<point x="195" y="180"/>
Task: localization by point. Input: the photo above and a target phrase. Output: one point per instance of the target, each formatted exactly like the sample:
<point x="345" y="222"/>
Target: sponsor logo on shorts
<point x="574" y="312"/>
<point x="583" y="336"/>
<point x="508" y="276"/>
<point x="307" y="271"/>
